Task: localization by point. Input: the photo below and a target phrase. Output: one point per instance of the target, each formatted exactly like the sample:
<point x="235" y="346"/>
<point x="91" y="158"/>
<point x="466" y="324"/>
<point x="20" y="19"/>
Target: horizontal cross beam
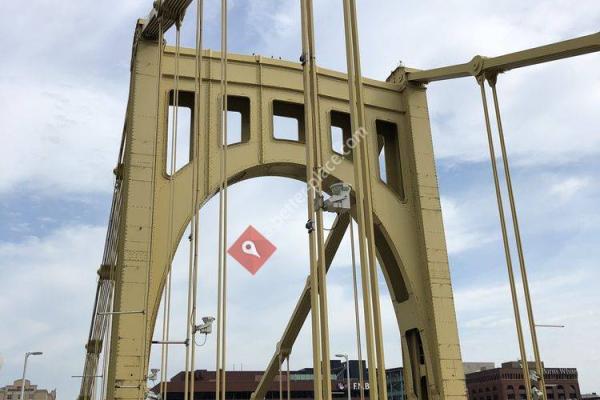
<point x="171" y="11"/>
<point x="302" y="309"/>
<point x="537" y="55"/>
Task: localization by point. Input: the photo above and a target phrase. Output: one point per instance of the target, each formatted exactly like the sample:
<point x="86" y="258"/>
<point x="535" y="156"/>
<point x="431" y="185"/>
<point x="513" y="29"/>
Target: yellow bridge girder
<point x="408" y="221"/>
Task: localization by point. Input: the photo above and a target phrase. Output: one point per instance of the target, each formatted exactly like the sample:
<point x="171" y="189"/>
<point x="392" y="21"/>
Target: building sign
<point x="560" y="371"/>
<point x="355" y="386"/>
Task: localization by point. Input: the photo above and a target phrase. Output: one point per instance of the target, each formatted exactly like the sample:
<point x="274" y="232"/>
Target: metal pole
<point x="361" y="378"/>
<point x="345" y="357"/>
<point x="513" y="290"/>
<point x="513" y="210"/>
<point x="23" y="379"/>
<point x="310" y="168"/>
<point x="280" y="379"/>
<point x="313" y="116"/>
<point x="356" y="122"/>
<point x="348" y="377"/>
<point x="121" y="312"/>
<point x="289" y="390"/>
<point x="29" y="353"/>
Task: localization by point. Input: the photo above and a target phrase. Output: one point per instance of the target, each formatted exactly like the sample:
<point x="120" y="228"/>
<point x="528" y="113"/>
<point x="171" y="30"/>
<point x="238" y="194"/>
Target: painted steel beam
<point x="170" y="11"/>
<point x="537" y="55"/>
<point x="411" y="228"/>
<point x="290" y="334"/>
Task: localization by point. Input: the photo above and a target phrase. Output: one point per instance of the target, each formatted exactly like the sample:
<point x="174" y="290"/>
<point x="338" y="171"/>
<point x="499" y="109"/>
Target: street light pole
<point x="549" y="326"/>
<point x="29" y="353"/>
<point x="345" y="357"/>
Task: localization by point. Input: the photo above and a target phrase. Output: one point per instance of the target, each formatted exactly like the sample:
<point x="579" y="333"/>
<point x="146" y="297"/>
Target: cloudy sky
<point x="63" y="88"/>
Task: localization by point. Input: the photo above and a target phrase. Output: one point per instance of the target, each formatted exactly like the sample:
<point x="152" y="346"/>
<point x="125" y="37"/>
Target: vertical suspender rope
<point x="280" y="377"/>
<point x="195" y="205"/>
<point x="189" y="345"/>
<point x="220" y="390"/>
<point x="167" y="299"/>
<point x="321" y="268"/>
<point x="538" y="362"/>
<point x="366" y="165"/>
<point x="188" y="320"/>
<point x="193" y="252"/>
<point x="361" y="378"/>
<point x="357" y="127"/>
<point x="507" y="255"/>
<point x="318" y="284"/>
<point x="289" y="389"/>
<point x="106" y="358"/>
<point x="314" y="284"/>
<point x="192" y="268"/>
<point x="165" y="337"/>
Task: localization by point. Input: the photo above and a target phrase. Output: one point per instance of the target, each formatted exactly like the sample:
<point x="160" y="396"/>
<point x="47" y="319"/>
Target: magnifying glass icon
<point x="249" y="247"/>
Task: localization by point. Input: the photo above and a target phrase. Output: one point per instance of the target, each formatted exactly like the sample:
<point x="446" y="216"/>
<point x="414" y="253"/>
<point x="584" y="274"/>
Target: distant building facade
<point x="590" y="396"/>
<point x="13" y="392"/>
<point x="470" y="367"/>
<point x="241" y="384"/>
<point x="395" y="383"/>
<point x="506" y="383"/>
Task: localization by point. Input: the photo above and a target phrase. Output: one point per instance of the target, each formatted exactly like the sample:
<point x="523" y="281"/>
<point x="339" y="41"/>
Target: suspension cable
<point x="360" y="183"/>
<point x="193" y="261"/>
<point x="164" y="352"/>
<point x="173" y="167"/>
<point x="221" y="380"/>
<point x="321" y="267"/>
<point x="314" y="300"/>
<point x="280" y="377"/>
<point x="513" y="210"/>
<point x="289" y="390"/>
<point x="365" y="146"/>
<point x="318" y="292"/>
<point x="507" y="254"/>
<point x="356" y="314"/>
<point x="195" y="225"/>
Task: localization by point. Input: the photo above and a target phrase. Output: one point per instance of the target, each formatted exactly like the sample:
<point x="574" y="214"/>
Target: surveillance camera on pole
<point x="206" y="326"/>
<point x="153" y="375"/>
<point x="339" y="201"/>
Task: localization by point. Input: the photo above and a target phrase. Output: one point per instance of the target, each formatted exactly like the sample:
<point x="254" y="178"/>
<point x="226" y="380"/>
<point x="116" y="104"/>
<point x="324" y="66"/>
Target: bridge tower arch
<point x="409" y="231"/>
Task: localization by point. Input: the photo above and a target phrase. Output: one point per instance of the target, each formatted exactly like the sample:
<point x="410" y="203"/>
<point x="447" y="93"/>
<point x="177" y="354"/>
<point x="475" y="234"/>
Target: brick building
<point x="506" y="383"/>
<point x="241" y="384"/>
<point x="13" y="392"/>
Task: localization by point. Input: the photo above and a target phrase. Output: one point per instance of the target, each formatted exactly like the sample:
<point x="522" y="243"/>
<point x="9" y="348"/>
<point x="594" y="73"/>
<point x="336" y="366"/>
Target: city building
<point x="13" y="392"/>
<point x="590" y="396"/>
<point x="506" y="383"/>
<point x="241" y="384"/>
<point x="470" y="367"/>
<point x="395" y="383"/>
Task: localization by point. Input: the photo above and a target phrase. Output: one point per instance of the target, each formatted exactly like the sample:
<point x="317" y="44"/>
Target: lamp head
<point x="35" y="353"/>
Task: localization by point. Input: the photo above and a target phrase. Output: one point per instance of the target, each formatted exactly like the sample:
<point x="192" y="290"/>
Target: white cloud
<point x="47" y="290"/>
<point x="570" y="187"/>
<point x="64" y="90"/>
<point x="62" y="137"/>
<point x="62" y="105"/>
<point x="486" y="317"/>
<point x="548" y="111"/>
<point x="463" y="231"/>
